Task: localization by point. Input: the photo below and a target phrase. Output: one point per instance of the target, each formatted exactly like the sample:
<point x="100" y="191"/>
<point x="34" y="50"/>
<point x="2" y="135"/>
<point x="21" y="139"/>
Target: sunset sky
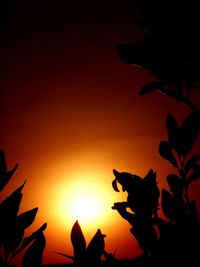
<point x="71" y="113"/>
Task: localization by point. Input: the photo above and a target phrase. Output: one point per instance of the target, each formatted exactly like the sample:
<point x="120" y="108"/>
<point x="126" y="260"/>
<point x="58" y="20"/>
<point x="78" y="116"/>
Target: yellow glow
<point x="84" y="198"/>
<point x="86" y="207"/>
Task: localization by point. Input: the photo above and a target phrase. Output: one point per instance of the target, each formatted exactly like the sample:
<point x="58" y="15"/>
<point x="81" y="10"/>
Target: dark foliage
<point x="169" y="51"/>
<point x="85" y="255"/>
<point x="13" y="225"/>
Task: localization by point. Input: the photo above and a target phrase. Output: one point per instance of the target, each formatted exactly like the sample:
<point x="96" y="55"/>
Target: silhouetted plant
<point x="143" y="195"/>
<point x="85" y="255"/>
<point x="13" y="225"/>
<point x="176" y="238"/>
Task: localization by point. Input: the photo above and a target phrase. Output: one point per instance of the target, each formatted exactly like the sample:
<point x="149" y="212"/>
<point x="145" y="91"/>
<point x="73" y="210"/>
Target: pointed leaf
<point x="78" y="242"/>
<point x="149" y="87"/>
<point x="26" y="219"/>
<point x="96" y="247"/>
<point x="8" y="210"/>
<point x="33" y="255"/>
<point x="29" y="239"/>
<point x="64" y="255"/>
<point x="191" y="163"/>
<point x="4" y="179"/>
<point x="166" y="152"/>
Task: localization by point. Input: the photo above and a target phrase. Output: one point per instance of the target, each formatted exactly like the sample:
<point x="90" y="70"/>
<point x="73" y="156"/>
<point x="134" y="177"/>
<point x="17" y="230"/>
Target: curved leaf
<point x="9" y="209"/>
<point x="114" y="185"/>
<point x="27" y="240"/>
<point x="33" y="255"/>
<point x="78" y="242"/>
<point x="149" y="87"/>
<point x="166" y="152"/>
<point x="191" y="163"/>
<point x="96" y="247"/>
<point x="5" y="178"/>
<point x="26" y="219"/>
<point x="64" y="255"/>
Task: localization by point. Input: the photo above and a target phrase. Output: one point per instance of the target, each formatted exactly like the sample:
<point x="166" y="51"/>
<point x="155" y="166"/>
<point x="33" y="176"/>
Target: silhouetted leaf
<point x="27" y="240"/>
<point x="9" y="209"/>
<point x="172" y="130"/>
<point x="14" y="239"/>
<point x="26" y="219"/>
<point x="78" y="242"/>
<point x="168" y="205"/>
<point x="33" y="255"/>
<point x="64" y="255"/>
<point x="149" y="87"/>
<point x="4" y="179"/>
<point x="195" y="175"/>
<point x="191" y="163"/>
<point x="174" y="183"/>
<point x="189" y="132"/>
<point x="114" y="185"/>
<point x="96" y="247"/>
<point x="23" y="221"/>
<point x="166" y="152"/>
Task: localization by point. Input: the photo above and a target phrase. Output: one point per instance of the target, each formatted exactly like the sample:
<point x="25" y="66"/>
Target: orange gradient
<point x="71" y="113"/>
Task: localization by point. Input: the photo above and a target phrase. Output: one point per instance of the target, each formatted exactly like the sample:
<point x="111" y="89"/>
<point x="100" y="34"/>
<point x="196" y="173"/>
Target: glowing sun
<point x="85" y="207"/>
<point x="85" y="201"/>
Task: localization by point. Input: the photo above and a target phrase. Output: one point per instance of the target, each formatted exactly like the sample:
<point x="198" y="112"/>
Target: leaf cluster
<point x="13" y="225"/>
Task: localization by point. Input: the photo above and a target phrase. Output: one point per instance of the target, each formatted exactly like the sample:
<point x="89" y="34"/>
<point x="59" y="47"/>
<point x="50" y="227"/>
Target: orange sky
<point x="71" y="112"/>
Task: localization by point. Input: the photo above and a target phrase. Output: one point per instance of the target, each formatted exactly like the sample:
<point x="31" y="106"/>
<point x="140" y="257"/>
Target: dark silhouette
<point x="13" y="225"/>
<point x="142" y="199"/>
<point x="85" y="255"/>
<point x="169" y="51"/>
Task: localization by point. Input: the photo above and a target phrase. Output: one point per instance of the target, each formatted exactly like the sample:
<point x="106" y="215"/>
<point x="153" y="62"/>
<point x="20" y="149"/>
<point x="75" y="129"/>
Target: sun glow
<point x="85" y="207"/>
<point x="86" y="200"/>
